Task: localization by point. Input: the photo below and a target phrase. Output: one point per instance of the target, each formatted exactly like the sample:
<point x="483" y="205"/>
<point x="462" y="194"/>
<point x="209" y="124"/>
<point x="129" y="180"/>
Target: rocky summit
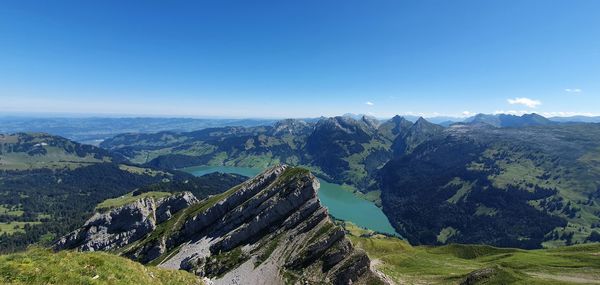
<point x="270" y="229"/>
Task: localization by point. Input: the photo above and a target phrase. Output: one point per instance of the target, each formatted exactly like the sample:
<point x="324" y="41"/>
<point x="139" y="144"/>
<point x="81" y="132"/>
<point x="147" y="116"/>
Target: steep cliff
<point x="271" y="229"/>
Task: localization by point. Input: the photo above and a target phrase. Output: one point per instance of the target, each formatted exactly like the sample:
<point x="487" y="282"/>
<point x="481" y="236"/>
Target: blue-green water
<point x="342" y="204"/>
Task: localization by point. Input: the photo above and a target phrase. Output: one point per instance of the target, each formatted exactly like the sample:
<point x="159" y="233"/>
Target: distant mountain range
<point x="504" y="121"/>
<point x="505" y="180"/>
<point x="93" y="130"/>
<point x="519" y="181"/>
<point x="448" y="120"/>
<point x="501" y="180"/>
<point x="341" y="149"/>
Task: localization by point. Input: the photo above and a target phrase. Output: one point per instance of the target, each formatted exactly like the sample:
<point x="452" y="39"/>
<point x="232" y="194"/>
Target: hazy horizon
<point x="57" y="115"/>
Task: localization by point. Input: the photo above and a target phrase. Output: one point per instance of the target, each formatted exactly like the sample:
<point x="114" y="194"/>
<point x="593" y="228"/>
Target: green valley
<point x="340" y="149"/>
<point x="515" y="181"/>
<point x="49" y="185"/>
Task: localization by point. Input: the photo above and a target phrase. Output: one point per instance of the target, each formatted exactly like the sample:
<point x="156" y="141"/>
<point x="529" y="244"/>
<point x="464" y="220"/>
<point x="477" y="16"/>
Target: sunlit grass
<point x="40" y="266"/>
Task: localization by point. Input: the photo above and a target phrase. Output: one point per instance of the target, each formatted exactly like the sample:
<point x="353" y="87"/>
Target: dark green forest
<point x="55" y="202"/>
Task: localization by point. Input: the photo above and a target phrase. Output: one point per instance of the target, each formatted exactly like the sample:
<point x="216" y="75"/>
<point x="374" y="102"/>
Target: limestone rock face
<point x="271" y="229"/>
<point x="124" y="225"/>
<point x="173" y="204"/>
<point x="116" y="228"/>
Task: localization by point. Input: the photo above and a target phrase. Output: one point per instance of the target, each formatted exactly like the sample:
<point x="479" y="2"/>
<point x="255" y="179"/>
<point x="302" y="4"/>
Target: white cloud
<point x="467" y="114"/>
<point x="370" y="103"/>
<point x="573" y="90"/>
<point x="525" y="101"/>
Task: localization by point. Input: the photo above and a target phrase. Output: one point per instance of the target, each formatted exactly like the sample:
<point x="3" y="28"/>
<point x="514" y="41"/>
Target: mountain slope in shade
<point x="419" y="132"/>
<point x="271" y="229"/>
<point x="513" y="187"/>
<point x="394" y="127"/>
<point x="345" y="148"/>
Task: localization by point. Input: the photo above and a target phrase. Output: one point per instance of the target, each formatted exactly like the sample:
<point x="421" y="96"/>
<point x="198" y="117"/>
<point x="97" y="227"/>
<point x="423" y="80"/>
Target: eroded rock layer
<point x="271" y="229"/>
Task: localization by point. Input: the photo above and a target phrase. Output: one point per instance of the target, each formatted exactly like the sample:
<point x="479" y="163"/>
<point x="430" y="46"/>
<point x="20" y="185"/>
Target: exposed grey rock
<point x="479" y="276"/>
<point x="124" y="225"/>
<point x="196" y="224"/>
<point x="116" y="228"/>
<point x="337" y="254"/>
<point x="173" y="204"/>
<point x="272" y="224"/>
<point x="351" y="271"/>
<point x="316" y="249"/>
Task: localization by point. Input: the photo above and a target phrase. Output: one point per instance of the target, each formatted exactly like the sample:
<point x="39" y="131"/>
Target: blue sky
<point x="300" y="58"/>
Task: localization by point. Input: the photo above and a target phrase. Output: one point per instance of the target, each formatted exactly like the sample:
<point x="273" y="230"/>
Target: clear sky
<point x="286" y="58"/>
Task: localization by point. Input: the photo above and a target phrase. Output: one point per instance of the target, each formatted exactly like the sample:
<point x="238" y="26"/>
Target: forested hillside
<point x="49" y="185"/>
<point x="500" y="180"/>
<point x="340" y="149"/>
<point x="518" y="187"/>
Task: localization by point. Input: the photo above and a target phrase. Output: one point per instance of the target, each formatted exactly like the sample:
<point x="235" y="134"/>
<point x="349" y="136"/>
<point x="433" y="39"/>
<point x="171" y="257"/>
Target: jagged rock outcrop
<point x="124" y="225"/>
<point x="271" y="229"/>
<point x="480" y="276"/>
<point x="173" y="204"/>
<point x="116" y="228"/>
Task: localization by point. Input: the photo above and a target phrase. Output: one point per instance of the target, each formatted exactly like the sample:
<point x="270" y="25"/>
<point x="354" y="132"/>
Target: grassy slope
<point x="37" y="150"/>
<point x="450" y="264"/>
<point x="39" y="266"/>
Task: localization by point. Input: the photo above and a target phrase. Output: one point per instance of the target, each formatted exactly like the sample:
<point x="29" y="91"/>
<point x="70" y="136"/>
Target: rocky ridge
<point x="271" y="229"/>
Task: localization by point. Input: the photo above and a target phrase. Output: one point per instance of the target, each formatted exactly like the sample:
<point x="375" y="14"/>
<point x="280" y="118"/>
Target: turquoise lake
<point x="342" y="204"/>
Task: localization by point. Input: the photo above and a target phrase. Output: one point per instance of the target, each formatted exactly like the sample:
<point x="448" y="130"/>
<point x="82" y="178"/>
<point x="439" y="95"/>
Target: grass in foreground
<point x="41" y="266"/>
<point x="450" y="264"/>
